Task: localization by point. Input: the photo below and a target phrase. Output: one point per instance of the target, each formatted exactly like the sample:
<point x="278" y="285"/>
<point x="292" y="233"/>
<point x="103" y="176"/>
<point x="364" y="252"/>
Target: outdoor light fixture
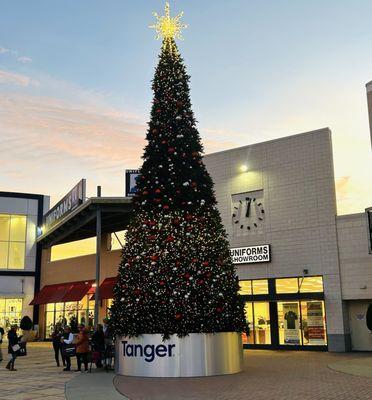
<point x="244" y="168"/>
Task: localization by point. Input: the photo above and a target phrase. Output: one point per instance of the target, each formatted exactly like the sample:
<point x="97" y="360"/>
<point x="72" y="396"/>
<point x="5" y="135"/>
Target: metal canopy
<point x="81" y="223"/>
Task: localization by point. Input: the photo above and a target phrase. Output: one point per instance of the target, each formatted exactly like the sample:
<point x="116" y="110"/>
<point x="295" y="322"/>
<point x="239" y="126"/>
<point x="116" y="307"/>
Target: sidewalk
<point x="279" y="375"/>
<point x="356" y="367"/>
<point x="93" y="386"/>
<point x="36" y="378"/>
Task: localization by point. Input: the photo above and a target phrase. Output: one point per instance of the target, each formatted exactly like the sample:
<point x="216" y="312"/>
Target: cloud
<point x="15" y="53"/>
<point x="13" y="78"/>
<point x="24" y="59"/>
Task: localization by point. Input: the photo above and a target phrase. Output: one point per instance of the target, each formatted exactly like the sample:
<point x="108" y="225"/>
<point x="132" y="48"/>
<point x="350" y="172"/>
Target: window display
<point x="10" y="312"/>
<point x="289" y="323"/>
<point x="258" y="319"/>
<point x="285" y="312"/>
<point x="71" y="313"/>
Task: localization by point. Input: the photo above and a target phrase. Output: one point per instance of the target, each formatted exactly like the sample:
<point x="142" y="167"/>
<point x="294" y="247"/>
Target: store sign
<point x="130" y="182"/>
<point x="148" y="352"/>
<point x="315" y="323"/>
<point x="251" y="254"/>
<point x="64" y="207"/>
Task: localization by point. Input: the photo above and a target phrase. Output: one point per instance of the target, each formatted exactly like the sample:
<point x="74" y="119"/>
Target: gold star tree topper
<point x="168" y="27"/>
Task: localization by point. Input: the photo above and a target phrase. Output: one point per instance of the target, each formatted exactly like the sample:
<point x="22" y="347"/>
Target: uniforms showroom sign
<point x="251" y="254"/>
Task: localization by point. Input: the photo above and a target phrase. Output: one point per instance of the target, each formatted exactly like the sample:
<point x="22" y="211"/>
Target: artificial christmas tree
<point x="176" y="276"/>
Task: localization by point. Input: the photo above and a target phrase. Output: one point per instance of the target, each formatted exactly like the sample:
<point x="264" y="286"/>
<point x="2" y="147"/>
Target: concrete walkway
<point x="93" y="386"/>
<point x="279" y="375"/>
<point x="356" y="367"/>
<point x="37" y="376"/>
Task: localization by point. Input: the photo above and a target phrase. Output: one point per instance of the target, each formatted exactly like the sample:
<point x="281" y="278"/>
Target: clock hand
<point x="248" y="211"/>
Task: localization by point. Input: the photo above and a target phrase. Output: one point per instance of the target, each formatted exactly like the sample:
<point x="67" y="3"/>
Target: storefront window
<point x="12" y="241"/>
<point x="248" y="339"/>
<point x="261" y="313"/>
<point x="71" y="313"/>
<point x="313" y="322"/>
<point x="286" y="285"/>
<point x="10" y="312"/>
<point x="311" y="284"/>
<point x="260" y="286"/>
<point x="118" y="240"/>
<point x="245" y="287"/>
<point x="257" y="315"/>
<point x="77" y="248"/>
<point x="289" y="323"/>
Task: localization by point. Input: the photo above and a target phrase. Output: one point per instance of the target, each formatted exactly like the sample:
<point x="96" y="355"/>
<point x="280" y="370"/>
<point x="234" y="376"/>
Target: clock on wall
<point x="248" y="213"/>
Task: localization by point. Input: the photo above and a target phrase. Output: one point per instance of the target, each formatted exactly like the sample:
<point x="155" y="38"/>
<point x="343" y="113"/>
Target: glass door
<point x="289" y="323"/>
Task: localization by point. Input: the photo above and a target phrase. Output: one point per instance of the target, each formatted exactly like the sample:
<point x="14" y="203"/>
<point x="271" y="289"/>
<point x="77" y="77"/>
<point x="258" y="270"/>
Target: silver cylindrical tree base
<point x="198" y="354"/>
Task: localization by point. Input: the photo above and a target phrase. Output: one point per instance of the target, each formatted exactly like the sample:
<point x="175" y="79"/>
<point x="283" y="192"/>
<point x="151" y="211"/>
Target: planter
<point x="199" y="354"/>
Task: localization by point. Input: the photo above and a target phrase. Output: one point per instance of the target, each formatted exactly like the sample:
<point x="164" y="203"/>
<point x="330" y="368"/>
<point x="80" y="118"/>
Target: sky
<point x="75" y="85"/>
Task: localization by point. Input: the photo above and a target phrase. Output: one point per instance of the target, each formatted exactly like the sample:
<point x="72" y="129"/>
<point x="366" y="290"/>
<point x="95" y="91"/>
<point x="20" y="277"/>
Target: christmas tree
<point x="176" y="275"/>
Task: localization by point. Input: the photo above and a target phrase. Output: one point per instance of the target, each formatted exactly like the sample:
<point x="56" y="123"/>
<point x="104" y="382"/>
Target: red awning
<point x="63" y="292"/>
<point x="77" y="291"/>
<point x="106" y="288"/>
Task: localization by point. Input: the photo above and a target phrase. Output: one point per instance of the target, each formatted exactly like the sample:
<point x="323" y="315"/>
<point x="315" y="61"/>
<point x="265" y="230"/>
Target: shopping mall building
<point x="306" y="273"/>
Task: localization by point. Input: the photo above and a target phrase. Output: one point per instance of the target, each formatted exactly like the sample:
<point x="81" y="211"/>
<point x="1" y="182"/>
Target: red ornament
<point x="157" y="200"/>
<point x="219" y="309"/>
<point x="152" y="237"/>
<point x="187" y="275"/>
<point x="188" y="217"/>
<point x="178" y="316"/>
<point x="171" y="150"/>
<point x="200" y="281"/>
<point x="154" y="257"/>
<point x="178" y="263"/>
<point x="154" y="131"/>
<point x="137" y="292"/>
<point x="152" y="223"/>
<point x="194" y="184"/>
<point x="170" y="238"/>
<point x="145" y="192"/>
<point x="158" y="110"/>
<point x="161" y="283"/>
<point x="194" y="260"/>
<point x="166" y="207"/>
<point x="157" y="190"/>
<point x="178" y="191"/>
<point x="176" y="221"/>
<point x="205" y="263"/>
<point x="164" y="141"/>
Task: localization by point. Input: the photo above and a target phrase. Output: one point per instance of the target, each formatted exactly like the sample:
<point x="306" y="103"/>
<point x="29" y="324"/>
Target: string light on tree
<point x="176" y="275"/>
<point x="168" y="27"/>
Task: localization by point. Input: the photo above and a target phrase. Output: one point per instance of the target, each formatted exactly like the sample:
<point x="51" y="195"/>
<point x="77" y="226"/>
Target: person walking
<point x="66" y="340"/>
<point x="13" y="347"/>
<point x="82" y="348"/>
<point x="2" y="333"/>
<point x="98" y="345"/>
<point x="57" y="344"/>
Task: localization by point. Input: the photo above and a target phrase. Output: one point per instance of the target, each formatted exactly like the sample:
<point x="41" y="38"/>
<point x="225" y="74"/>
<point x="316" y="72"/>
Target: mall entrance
<point x="285" y="313"/>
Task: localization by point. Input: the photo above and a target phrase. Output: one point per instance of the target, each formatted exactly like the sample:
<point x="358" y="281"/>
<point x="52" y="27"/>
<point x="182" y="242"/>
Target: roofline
<point x="326" y="129"/>
<point x="19" y="195"/>
<point x="81" y="207"/>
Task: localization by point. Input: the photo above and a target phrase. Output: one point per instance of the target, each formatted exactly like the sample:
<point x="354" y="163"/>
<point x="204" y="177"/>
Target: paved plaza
<point x="267" y="375"/>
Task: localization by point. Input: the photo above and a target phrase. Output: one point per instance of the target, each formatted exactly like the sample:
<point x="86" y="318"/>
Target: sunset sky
<point x="75" y="82"/>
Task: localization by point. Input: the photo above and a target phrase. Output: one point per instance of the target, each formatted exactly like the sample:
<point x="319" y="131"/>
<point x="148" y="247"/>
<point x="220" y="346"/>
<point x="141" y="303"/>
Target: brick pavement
<point x="277" y="375"/>
<point x="36" y="377"/>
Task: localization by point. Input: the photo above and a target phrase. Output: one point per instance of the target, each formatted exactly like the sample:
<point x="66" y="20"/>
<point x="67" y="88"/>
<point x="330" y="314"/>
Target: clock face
<point x="248" y="213"/>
